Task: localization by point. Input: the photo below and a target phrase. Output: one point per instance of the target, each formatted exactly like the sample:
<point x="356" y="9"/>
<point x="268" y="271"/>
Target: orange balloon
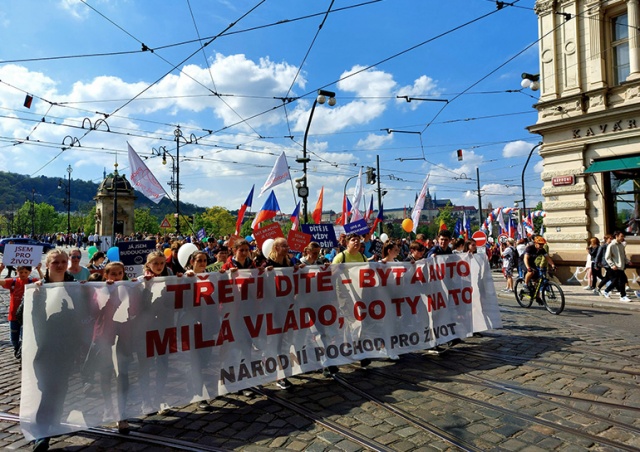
<point x="167" y="253"/>
<point x="407" y="225"/>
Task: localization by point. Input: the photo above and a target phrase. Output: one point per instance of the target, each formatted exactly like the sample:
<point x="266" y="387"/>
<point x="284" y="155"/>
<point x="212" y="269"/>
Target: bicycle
<point x="546" y="293"/>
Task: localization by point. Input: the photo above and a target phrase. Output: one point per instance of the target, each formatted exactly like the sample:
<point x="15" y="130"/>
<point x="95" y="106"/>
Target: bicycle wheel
<point x="522" y="293"/>
<point x="553" y="298"/>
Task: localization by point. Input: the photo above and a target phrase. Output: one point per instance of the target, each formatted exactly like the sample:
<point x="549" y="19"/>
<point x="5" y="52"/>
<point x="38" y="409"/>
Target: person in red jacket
<point x="16" y="289"/>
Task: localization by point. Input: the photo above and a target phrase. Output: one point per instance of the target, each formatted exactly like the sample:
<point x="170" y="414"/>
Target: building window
<point x="623" y="201"/>
<point x="620" y="48"/>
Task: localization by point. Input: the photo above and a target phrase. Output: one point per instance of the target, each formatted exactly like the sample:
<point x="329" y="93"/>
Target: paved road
<point x="541" y="383"/>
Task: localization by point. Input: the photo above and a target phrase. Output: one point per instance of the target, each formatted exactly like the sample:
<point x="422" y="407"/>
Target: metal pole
<point x="379" y="191"/>
<point x="178" y="134"/>
<point x="479" y="200"/>
<point x="115" y="205"/>
<point x="304" y="160"/>
<point x="69" y="170"/>
<point x="524" y="202"/>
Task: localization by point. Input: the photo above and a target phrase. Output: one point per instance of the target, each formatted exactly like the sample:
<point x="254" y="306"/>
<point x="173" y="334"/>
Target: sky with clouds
<point x="240" y="77"/>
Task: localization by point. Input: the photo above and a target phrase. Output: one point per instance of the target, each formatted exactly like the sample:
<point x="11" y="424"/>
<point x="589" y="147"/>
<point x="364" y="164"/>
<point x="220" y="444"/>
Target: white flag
<point x="357" y="198"/>
<point x="503" y="227"/>
<point x="279" y="174"/>
<point x="143" y="179"/>
<point x="417" y="209"/>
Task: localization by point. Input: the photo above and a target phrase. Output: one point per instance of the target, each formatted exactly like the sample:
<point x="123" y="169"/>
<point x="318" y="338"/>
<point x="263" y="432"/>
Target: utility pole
<point x="479" y="199"/>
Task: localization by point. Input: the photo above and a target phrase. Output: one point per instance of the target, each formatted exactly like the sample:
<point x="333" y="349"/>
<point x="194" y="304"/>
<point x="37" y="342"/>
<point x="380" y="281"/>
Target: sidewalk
<point x="576" y="296"/>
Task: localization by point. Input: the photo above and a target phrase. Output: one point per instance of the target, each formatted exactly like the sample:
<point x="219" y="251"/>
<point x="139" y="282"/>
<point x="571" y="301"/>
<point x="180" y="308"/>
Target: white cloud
<point x="76" y="8"/>
<point x="374" y="141"/>
<point x="539" y="167"/>
<point x="516" y="149"/>
<point x="423" y="86"/>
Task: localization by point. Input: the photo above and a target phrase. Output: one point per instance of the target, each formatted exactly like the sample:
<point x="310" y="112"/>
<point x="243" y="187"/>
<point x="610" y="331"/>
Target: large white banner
<point x="95" y="353"/>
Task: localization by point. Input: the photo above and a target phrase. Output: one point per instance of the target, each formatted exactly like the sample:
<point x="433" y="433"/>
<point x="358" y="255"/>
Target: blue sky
<point x="248" y="93"/>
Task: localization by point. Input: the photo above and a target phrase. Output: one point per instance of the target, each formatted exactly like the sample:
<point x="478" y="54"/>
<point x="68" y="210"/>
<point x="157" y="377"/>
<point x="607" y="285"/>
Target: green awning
<point x="619" y="164"/>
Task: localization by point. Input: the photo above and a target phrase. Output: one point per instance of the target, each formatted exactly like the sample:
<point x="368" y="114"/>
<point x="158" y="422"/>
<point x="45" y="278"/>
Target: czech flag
<point x="268" y="211"/>
<point x="243" y="209"/>
<point x="295" y="218"/>
<point x="370" y="211"/>
<point x="378" y="220"/>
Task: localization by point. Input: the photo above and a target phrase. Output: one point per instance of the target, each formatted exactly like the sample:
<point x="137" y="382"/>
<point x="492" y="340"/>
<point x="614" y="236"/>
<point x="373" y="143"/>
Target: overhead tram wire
<point x="149" y="86"/>
<point x="174" y="67"/>
<point x="181" y="43"/>
<point x="208" y="66"/>
<point x="306" y="55"/>
<point x="304" y="59"/>
<point x="494" y="70"/>
<point x="350" y="75"/>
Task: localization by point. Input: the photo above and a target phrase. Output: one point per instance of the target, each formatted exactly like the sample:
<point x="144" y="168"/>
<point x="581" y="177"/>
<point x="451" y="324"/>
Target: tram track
<point x="547" y="397"/>
<point x="513" y="413"/>
<point x="350" y="434"/>
<point x="134" y="436"/>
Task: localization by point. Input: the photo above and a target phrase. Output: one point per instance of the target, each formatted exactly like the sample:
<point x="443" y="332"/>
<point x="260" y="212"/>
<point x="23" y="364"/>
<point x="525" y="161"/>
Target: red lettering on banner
<point x="254" y="328"/>
<point x="435" y="302"/>
<point x="199" y="340"/>
<point x="290" y="322"/>
<point x="399" y="272"/>
<point x="367" y="277"/>
<point x="384" y="275"/>
<point x="465" y="294"/>
<point x="184" y="338"/>
<point x="243" y="286"/>
<point x="178" y="289"/>
<point x="438" y="272"/>
<point x="283" y="285"/>
<point x="158" y="346"/>
<point x="358" y="307"/>
<point x="412" y="302"/>
<point x="307" y="318"/>
<point x="225" y="291"/>
<point x="324" y="282"/>
<point x="203" y="290"/>
<point x="271" y="328"/>
<point x="418" y="276"/>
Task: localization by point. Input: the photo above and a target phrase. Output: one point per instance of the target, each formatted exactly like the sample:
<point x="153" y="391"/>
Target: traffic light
<point x="371" y="175"/>
<point x="459" y="152"/>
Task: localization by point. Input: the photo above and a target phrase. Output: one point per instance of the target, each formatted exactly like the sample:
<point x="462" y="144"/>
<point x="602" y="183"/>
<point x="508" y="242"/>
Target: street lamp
<point x="524" y="202"/>
<point x="33" y="212"/>
<point x="179" y="136"/>
<point x="114" y="185"/>
<point x="303" y="188"/>
<point x="67" y="201"/>
<point x="530" y="81"/>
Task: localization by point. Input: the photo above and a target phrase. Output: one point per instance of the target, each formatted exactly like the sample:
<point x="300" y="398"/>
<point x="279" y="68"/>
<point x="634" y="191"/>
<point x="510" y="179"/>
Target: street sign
<point x="165" y="224"/>
<point x="502" y="238"/>
<point x="480" y="238"/>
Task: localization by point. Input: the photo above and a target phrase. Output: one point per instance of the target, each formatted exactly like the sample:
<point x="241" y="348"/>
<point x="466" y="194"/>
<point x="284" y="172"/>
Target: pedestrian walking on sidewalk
<point x="617" y="260"/>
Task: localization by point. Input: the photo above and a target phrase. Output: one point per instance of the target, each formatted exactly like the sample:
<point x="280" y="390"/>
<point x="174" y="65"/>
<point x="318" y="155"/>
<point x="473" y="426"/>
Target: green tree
<point x="217" y="221"/>
<point x="89" y="221"/>
<point x="446" y="215"/>
<point x="144" y="221"/>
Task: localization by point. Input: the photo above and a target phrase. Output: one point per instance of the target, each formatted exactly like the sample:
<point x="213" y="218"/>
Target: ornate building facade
<point x="115" y="186"/>
<point x="589" y="121"/>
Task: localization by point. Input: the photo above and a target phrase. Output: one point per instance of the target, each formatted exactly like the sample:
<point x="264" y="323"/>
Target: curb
<point x="588" y="299"/>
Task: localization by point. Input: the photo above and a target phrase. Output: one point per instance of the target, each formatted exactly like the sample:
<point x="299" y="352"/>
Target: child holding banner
<point x="16" y="290"/>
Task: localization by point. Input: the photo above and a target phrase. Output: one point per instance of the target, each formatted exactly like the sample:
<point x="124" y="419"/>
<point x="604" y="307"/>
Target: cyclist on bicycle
<point x="531" y="253"/>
